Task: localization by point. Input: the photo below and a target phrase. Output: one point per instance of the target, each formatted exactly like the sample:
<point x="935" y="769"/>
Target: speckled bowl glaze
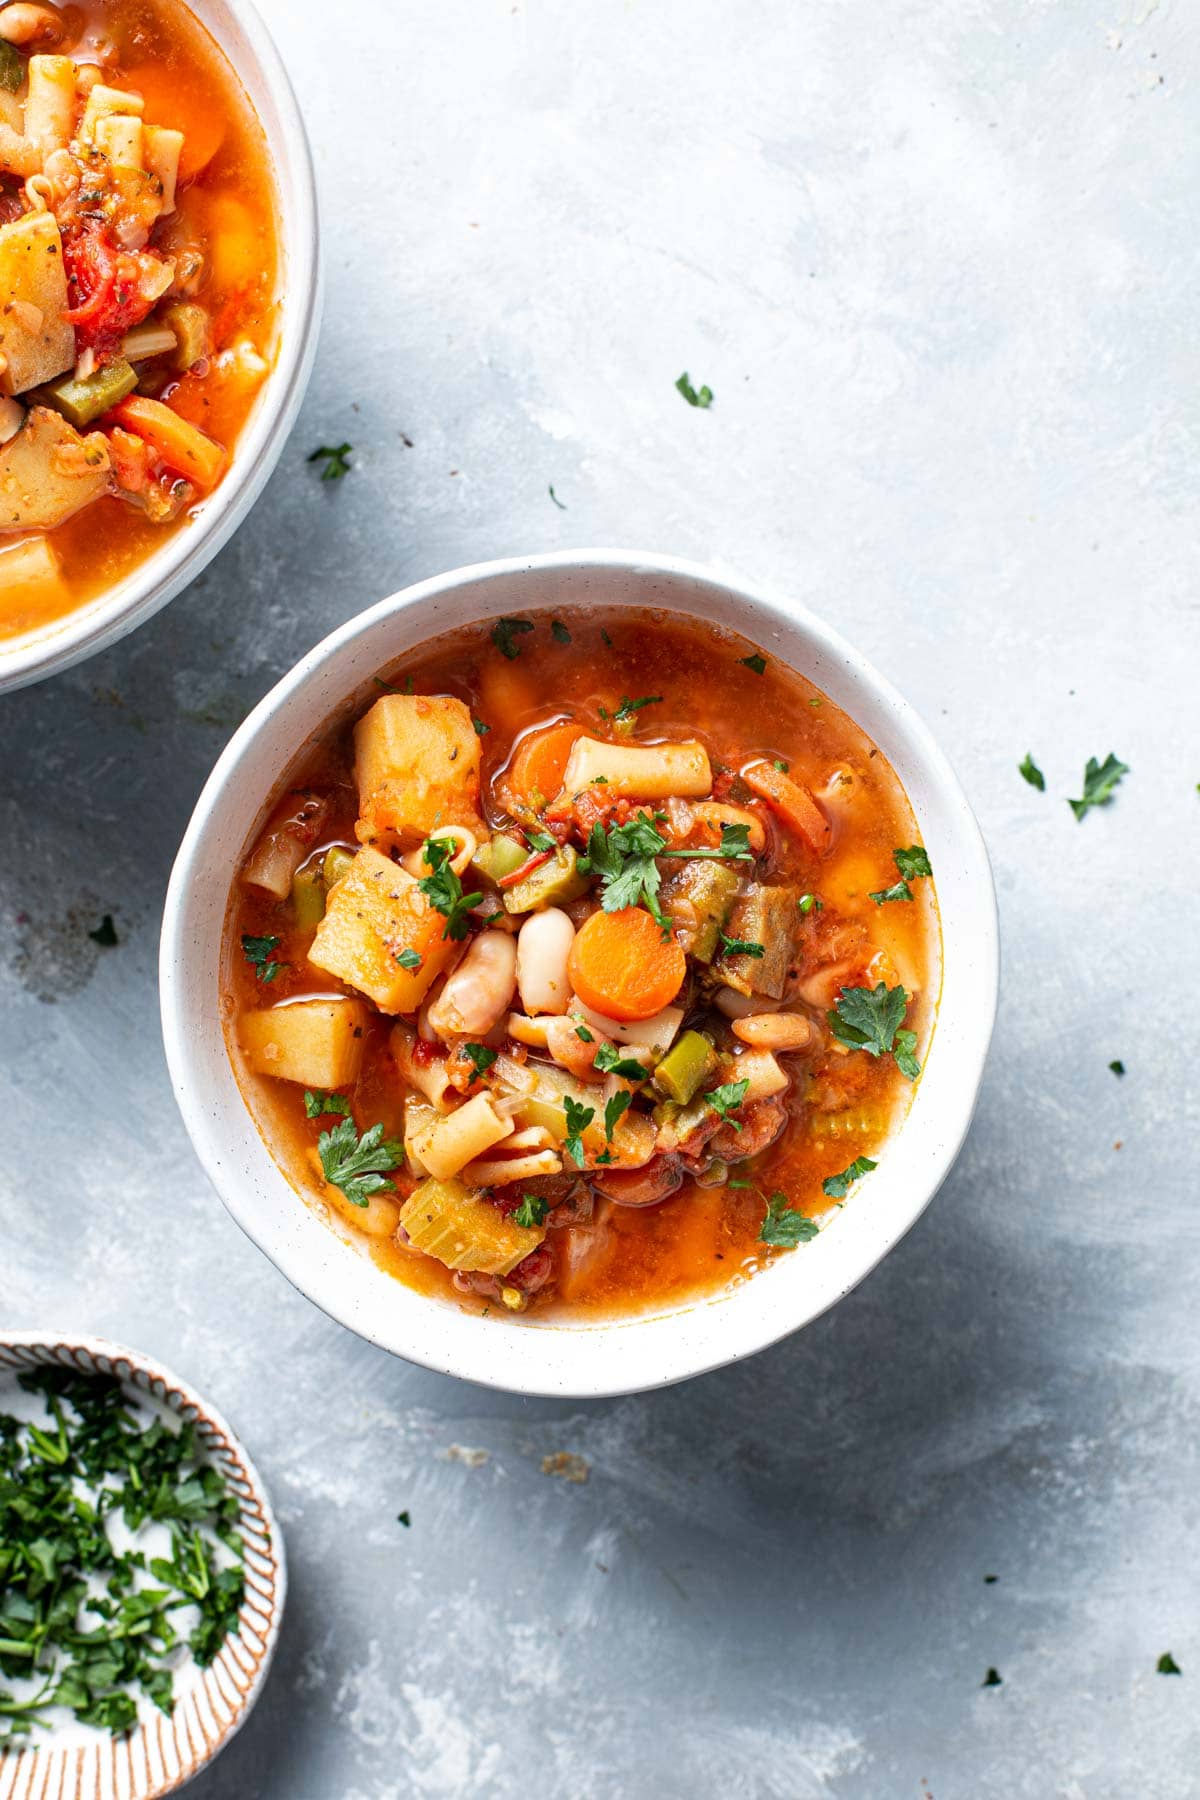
<point x="161" y="1754"/>
<point x="595" y="1357"/>
<point x="247" y="44"/>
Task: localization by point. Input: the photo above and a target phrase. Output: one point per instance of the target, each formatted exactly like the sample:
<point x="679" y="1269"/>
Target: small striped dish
<point x="161" y="1754"/>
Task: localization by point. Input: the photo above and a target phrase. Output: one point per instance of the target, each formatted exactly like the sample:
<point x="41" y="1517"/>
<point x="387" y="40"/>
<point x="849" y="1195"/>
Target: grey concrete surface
<point x="939" y="261"/>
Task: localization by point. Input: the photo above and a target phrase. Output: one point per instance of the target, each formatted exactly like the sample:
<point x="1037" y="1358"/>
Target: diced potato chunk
<point x="417" y="764"/>
<point x="454" y="1223"/>
<point x="29" y="572"/>
<point x="35" y="339"/>
<point x="374" y="916"/>
<point x="49" y="471"/>
<point x="318" y="1042"/>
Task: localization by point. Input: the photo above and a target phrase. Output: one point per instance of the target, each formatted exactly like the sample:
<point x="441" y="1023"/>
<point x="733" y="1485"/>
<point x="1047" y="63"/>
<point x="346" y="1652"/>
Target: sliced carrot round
<point x="622" y="966"/>
<point x="536" y="770"/>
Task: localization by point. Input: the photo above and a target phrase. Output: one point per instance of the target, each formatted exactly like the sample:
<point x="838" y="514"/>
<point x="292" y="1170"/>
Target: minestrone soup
<point x="585" y="966"/>
<point x="137" y="289"/>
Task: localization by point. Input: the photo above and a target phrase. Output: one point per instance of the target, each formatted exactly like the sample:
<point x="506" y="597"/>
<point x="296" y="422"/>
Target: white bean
<point x="542" y="951"/>
<point x="774" y="1031"/>
<point x="479" y="990"/>
<point x="24" y="23"/>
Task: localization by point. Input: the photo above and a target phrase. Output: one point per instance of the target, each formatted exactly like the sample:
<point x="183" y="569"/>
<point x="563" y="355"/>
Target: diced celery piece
<point x="500" y="856"/>
<point x="697" y="897"/>
<point x="687" y="1063"/>
<point x="454" y="1223"/>
<point x="308" y="897"/>
<point x="82" y="402"/>
<point x="552" y="883"/>
<point x="338" y="862"/>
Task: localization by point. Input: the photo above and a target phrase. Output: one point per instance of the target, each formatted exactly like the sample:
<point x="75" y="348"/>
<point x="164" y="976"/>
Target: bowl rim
<point x="151" y="584"/>
<point x="487" y="1368"/>
<point x="64" y="1349"/>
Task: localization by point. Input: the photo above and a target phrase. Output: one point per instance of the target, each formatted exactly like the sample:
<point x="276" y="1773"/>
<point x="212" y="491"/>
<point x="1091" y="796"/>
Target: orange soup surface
<point x="138" y="322"/>
<point x="585" y="967"/>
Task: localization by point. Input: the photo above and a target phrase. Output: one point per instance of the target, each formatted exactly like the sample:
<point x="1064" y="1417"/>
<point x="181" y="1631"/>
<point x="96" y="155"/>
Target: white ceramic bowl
<point x="161" y="1754"/>
<point x="623" y="1355"/>
<point x="244" y="38"/>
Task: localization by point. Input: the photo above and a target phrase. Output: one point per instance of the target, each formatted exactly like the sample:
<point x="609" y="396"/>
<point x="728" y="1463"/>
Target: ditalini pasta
<point x="586" y="967"/>
<point x="137" y="289"/>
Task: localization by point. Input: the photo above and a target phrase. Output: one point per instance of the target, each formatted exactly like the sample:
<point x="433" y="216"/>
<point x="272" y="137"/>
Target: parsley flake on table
<point x="1117" y="1067"/>
<point x="870" y="1019"/>
<point x="359" y="1165"/>
<point x="758" y="664"/>
<point x="105" y="933"/>
<point x="1031" y="773"/>
<point x="783" y="1228"/>
<point x="838" y="1186"/>
<point x="609" y="1061"/>
<point x="404" y="1518"/>
<point x="740" y="946"/>
<point x="1099" y="784"/>
<point x="1166" y="1665"/>
<point x="991" y="1679"/>
<point x="726" y="1099"/>
<point x="532" y="1211"/>
<point x="578" y="1118"/>
<point x="702" y="397"/>
<point x="561" y="504"/>
<point x="444" y="891"/>
<point x="336" y="458"/>
<point x="318" y="1104"/>
<point x="259" y="952"/>
<point x="504" y="636"/>
<point x="479" y="1057"/>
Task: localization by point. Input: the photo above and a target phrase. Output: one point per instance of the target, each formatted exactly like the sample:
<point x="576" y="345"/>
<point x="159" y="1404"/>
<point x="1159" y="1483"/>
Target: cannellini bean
<point x="542" y="951"/>
<point x="23" y="23"/>
<point x="759" y="1070"/>
<point x="741" y="1006"/>
<point x="774" y="1031"/>
<point x="570" y="1051"/>
<point x="822" y="987"/>
<point x="480" y="989"/>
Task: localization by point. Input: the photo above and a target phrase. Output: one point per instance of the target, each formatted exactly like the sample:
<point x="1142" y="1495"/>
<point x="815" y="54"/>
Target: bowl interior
<point x="625" y="1354"/>
<point x="246" y="43"/>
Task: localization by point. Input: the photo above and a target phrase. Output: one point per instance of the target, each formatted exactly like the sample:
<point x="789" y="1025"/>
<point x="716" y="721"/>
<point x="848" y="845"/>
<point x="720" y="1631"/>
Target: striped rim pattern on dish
<point x="161" y="1754"/>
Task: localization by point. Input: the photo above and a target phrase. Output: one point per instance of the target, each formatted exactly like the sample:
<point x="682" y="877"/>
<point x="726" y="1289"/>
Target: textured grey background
<point x="938" y="259"/>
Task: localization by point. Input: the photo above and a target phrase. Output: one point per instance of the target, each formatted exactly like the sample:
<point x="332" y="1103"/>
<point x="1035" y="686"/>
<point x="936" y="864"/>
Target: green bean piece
<point x="308" y="897"/>
<point x="337" y="863"/>
<point x="12" y="68"/>
<point x="81" y="403"/>
<point x="690" y="1061"/>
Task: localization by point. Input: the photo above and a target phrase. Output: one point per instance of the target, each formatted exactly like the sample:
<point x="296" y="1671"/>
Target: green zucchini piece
<point x="337" y="863"/>
<point x="689" y="1061"/>
<point x="552" y="883"/>
<point x="81" y="403"/>
<point x="766" y="916"/>
<point x="698" y="897"/>
<point x="308" y="897"/>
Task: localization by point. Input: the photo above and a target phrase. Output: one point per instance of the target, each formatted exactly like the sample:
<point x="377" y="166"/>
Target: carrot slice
<point x="622" y="966"/>
<point x="793" y="803"/>
<point x="181" y="445"/>
<point x="536" y="770"/>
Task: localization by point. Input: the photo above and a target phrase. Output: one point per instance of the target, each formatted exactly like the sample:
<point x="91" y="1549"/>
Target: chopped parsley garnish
<point x="578" y="1117"/>
<point x="407" y="958"/>
<point x="558" y="630"/>
<point x="584" y="1035"/>
<point x="1117" y="1067"/>
<point x="444" y="890"/>
<point x="504" y="635"/>
<point x="481" y="730"/>
<point x="605" y="639"/>
<point x="741" y="947"/>
<point x="78" y="1613"/>
<point x="317" y="1104"/>
<point x="259" y="952"/>
<point x="479" y="1057"/>
<point x="899" y="890"/>
<point x="613" y="1109"/>
<point x="105" y="933"/>
<point x="913" y="862"/>
<point x="356" y="1164"/>
<point x="735" y="844"/>
<point x="609" y="1061"/>
<point x="1099" y="783"/>
<point x="809" y="903"/>
<point x="695" y="397"/>
<point x="404" y="1518"/>
<point x="628" y="707"/>
<point x="336" y="458"/>
<point x="541" y="840"/>
<point x="991" y="1679"/>
<point x="1166" y="1665"/>
<point x="726" y="1099"/>
<point x="623" y="856"/>
<point x="531" y="1213"/>
<point x="757" y="664"/>
<point x="561" y="504"/>
<point x="870" y="1019"/>
<point x="1032" y="774"/>
<point x="838" y="1186"/>
<point x="781" y="766"/>
<point x="784" y="1228"/>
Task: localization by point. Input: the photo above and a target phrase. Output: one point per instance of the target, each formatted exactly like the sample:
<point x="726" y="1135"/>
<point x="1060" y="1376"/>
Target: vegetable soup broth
<point x="219" y="240"/>
<point x="838" y="1105"/>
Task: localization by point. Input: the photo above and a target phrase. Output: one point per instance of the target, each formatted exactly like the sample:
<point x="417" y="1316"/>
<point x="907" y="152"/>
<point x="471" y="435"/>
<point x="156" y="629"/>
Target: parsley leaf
<point x="444" y="891"/>
<point x="578" y="1117"/>
<point x="609" y="1061"/>
<point x="613" y="1109"/>
<point x="105" y="933"/>
<point x="838" y="1186"/>
<point x="479" y="1056"/>
<point x="726" y="1099"/>
<point x="1099" y="783"/>
<point x="623" y="856"/>
<point x="870" y="1019"/>
<point x="531" y="1213"/>
<point x="783" y="1228"/>
<point x="407" y="958"/>
<point x="584" y="1035"/>
<point x="1166" y="1665"/>
<point x="318" y="1103"/>
<point x="899" y="890"/>
<point x="912" y="862"/>
<point x="740" y="947"/>
<point x="541" y="840"/>
<point x="1117" y="1067"/>
<point x="757" y="663"/>
<point x="481" y="730"/>
<point x="735" y="845"/>
<point x="404" y="1518"/>
<point x="561" y="504"/>
<point x="1032" y="774"/>
<point x="358" y="1165"/>
<point x="558" y="630"/>
<point x="504" y="633"/>
<point x="628" y="707"/>
<point x="259" y="953"/>
<point x="809" y="903"/>
<point x="703" y="397"/>
<point x="336" y="458"/>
